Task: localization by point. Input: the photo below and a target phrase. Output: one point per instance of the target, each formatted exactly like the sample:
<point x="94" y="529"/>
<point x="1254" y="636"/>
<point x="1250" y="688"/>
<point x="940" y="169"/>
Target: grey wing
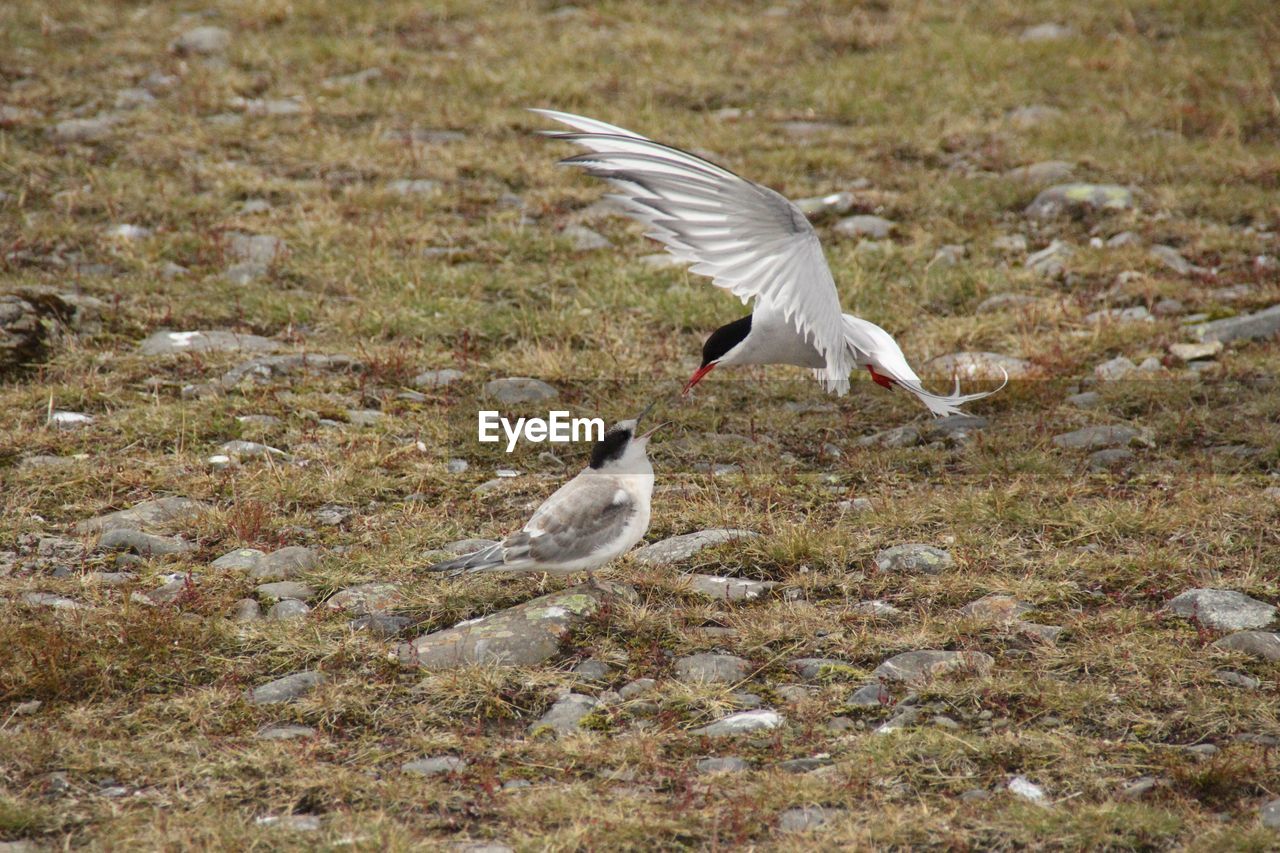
<point x="749" y="239"/>
<point x="584" y="516"/>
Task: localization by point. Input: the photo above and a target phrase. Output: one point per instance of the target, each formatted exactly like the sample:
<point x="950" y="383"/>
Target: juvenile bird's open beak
<point x="647" y="410"/>
<point x="697" y="377"/>
<point x="655" y="429"/>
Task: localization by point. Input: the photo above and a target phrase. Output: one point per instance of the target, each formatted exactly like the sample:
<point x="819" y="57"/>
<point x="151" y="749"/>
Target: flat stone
<point x="268" y="367"/>
<point x="875" y="608"/>
<point x="821" y="669"/>
<point x="567" y="714"/>
<point x="239" y="560"/>
<point x="1139" y="787"/>
<point x="728" y="764"/>
<point x="1269" y="814"/>
<point x="287" y="731"/>
<point x="284" y="564"/>
<point x="94" y="129"/>
<point x="1079" y="198"/>
<point x="743" y="722"/>
<point x="524" y="635"/>
<point x="1136" y="314"/>
<point x="952" y="427"/>
<point x="373" y="597"/>
<point x="996" y="608"/>
<point x="1262" y="644"/>
<point x="148" y="515"/>
<point x="1046" y="32"/>
<point x="519" y="389"/>
<point x="127" y="233"/>
<point x="437" y="378"/>
<point x="1051" y="261"/>
<point x="146" y="544"/>
<point x="245" y="272"/>
<point x="1256" y="326"/>
<point x="835" y="204"/>
<point x="583" y="239"/>
<point x="806" y="818"/>
<point x="70" y="420"/>
<point x="870" y="695"/>
<point x="203" y="41"/>
<point x="1024" y="788"/>
<point x="1236" y="679"/>
<point x="291" y="822"/>
<point x="1114" y="369"/>
<point x="1223" y="609"/>
<point x="1084" y="400"/>
<point x="1172" y="259"/>
<point x="727" y="589"/>
<point x="924" y="665"/>
<point x="413" y="187"/>
<point x="287" y="609"/>
<point x="286" y="689"/>
<point x="979" y="365"/>
<point x="1012" y="243"/>
<point x="255" y="248"/>
<point x="437" y="766"/>
<point x="1097" y="437"/>
<point x="875" y="227"/>
<point x="1123" y="240"/>
<point x="1195" y="352"/>
<point x="364" y="417"/>
<point x="593" y="669"/>
<point x="914" y="558"/>
<point x="903" y="436"/>
<point x="48" y="599"/>
<point x="709" y="668"/>
<point x="682" y="547"/>
<point x="1044" y="172"/>
<point x="1039" y="633"/>
<point x="636" y="688"/>
<point x="170" y="592"/>
<point x="381" y="624"/>
<point x="1105" y="460"/>
<point x="247" y="610"/>
<point x="1005" y="302"/>
<point x="278" y="590"/>
<point x="215" y="340"/>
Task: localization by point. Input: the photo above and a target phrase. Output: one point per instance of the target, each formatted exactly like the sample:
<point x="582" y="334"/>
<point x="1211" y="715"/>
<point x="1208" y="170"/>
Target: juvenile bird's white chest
<point x="774" y="340"/>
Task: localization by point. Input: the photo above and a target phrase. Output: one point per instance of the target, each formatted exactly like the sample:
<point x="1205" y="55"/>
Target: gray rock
<point x="875" y="608"/>
<point x="247" y="610"/>
<point x="1237" y="679"/>
<point x="367" y="598"/>
<point x="1051" y="261"/>
<point x="677" y="548"/>
<point x="243" y="451"/>
<point x="94" y="129"/>
<point x="824" y="669"/>
<point x="1262" y="644"/>
<point x="1024" y="788"/>
<point x="255" y="248"/>
<point x="437" y="378"/>
<point x="1172" y="258"/>
<point x="1168" y="307"/>
<point x="743" y="722"/>
<point x="836" y="204"/>
<point x="1005" y="302"/>
<point x="807" y="818"/>
<point x="1223" y="609"/>
<point x="728" y="764"/>
<point x="1138" y="788"/>
<point x="457" y="466"/>
<point x="239" y="560"/>
<point x="437" y="766"/>
<point x="870" y="695"/>
<point x="381" y="624"/>
<point x="1123" y="240"/>
<point x="709" y="668"/>
<point x="415" y="187"/>
<point x="1039" y="633"/>
<point x="245" y="273"/>
<point x="278" y="590"/>
<point x="1012" y="243"/>
<point x="583" y="239"/>
<point x="70" y="420"/>
<point x="287" y="609"/>
<point x="519" y="389"/>
<point x="270" y="106"/>
<point x="252" y="206"/>
<point x="727" y="589"/>
<point x="997" y="608"/>
<point x="855" y="505"/>
<point x="1046" y="32"/>
<point x="905" y="717"/>
<point x="1084" y="400"/>
<point x="146" y="544"/>
<point x="746" y="700"/>
<point x="285" y="731"/>
<point x="1079" y="198"/>
<point x="524" y="635"/>
<point x="1269" y="814"/>
<point x="1136" y="314"/>
<point x="357" y="78"/>
<point x="171" y="591"/>
<point x="148" y="515"/>
<point x="1096" y="437"/>
<point x="1195" y="352"/>
<point x="566" y="715"/>
<point x="215" y="340"/>
<point x="133" y="98"/>
<point x="979" y="365"/>
<point x="203" y="41"/>
<point x="284" y="564"/>
<point x="636" y="688"/>
<point x="270" y="367"/>
<point x="1114" y="369"/>
<point x="1256" y="326"/>
<point x="364" y="417"/>
<point x="1045" y="172"/>
<point x="914" y="558"/>
<point x="127" y="233"/>
<point x="903" y="436"/>
<point x="286" y="689"/>
<point x="1105" y="460"/>
<point x="875" y="227"/>
<point x="593" y="669"/>
<point x="924" y="665"/>
<point x="953" y="427"/>
<point x="291" y="822"/>
<point x="48" y="599"/>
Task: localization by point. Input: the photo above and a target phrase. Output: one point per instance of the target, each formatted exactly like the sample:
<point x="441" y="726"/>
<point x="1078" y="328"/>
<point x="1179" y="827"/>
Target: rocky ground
<point x="262" y="262"/>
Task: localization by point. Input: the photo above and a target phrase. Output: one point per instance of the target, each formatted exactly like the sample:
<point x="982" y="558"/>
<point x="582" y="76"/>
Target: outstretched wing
<point x="747" y="238"/>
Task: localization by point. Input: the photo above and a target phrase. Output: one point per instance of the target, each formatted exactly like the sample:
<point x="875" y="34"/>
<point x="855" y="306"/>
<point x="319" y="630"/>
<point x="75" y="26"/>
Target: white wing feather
<point x="747" y="238"/>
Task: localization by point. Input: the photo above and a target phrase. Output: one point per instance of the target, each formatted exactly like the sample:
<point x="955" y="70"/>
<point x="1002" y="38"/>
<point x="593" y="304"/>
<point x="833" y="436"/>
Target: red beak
<point x="697" y="377"/>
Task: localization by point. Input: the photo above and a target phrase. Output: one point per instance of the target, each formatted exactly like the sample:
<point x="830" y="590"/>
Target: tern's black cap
<point x="724" y="339"/>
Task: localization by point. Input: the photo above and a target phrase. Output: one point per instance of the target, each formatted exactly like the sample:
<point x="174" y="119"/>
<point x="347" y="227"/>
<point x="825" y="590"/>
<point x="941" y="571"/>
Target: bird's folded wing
<point x="585" y="515"/>
<point x="747" y="238"/>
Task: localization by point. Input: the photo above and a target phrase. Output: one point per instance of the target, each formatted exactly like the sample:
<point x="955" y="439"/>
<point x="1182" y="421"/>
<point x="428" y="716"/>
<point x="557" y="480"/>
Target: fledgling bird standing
<point x="592" y="519"/>
<point x="757" y="245"/>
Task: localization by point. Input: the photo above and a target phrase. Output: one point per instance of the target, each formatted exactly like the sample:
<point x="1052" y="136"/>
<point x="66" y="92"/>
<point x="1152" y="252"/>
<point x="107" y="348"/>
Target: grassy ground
<point x="1176" y="98"/>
